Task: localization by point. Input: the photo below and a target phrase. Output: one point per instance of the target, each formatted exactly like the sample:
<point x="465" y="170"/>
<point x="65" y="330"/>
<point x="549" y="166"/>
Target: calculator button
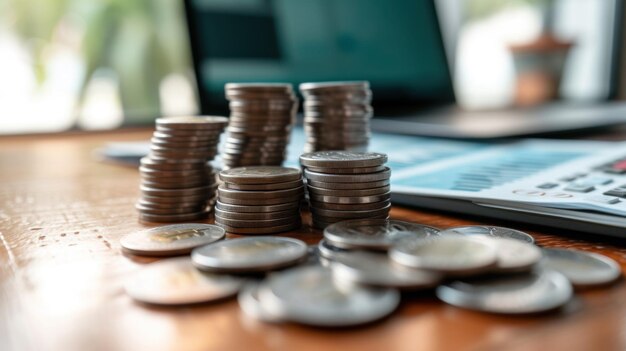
<point x="608" y="200"/>
<point x="580" y="187"/>
<point x="598" y="180"/>
<point x="547" y="185"/>
<point x="570" y="178"/>
<point x="619" y="192"/>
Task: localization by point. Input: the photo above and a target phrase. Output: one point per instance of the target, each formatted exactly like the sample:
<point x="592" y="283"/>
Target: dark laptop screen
<point x="395" y="44"/>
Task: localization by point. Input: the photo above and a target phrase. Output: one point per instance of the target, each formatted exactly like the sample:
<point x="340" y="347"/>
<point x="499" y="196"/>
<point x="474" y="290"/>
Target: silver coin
<point x="331" y="252"/>
<point x="376" y="269"/>
<point x="166" y="164"/>
<point x="351" y="214"/>
<point x="286" y="88"/>
<point x="379" y="234"/>
<point x="260" y="175"/>
<point x="330" y="86"/>
<point x="256" y="216"/>
<point x="322" y="222"/>
<point x="258" y="208"/>
<point x="177" y="282"/>
<point x="310" y="296"/>
<point x="355" y="170"/>
<point x="192" y="122"/>
<point x="254" y="254"/>
<point x="259" y="202"/>
<point x="171" y="240"/>
<point x="174" y="211"/>
<point x="172" y="218"/>
<point x="348" y="178"/>
<point x="452" y="255"/>
<point x="296" y="224"/>
<point x="514" y="255"/>
<point x="499" y="232"/>
<point x="583" y="269"/>
<point x="256" y="223"/>
<point x="273" y="186"/>
<point x="196" y="138"/>
<point x="342" y="159"/>
<point x="350" y="199"/>
<point x="349" y="193"/>
<point x="349" y="207"/>
<point x="260" y="194"/>
<point x="516" y="294"/>
<point x="150" y="191"/>
<point x="171" y="201"/>
<point x="251" y="305"/>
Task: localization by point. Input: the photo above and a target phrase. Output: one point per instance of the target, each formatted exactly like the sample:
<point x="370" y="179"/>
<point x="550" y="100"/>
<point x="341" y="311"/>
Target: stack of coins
<point x="177" y="182"/>
<point x="336" y="115"/>
<point x="261" y="118"/>
<point x="259" y="199"/>
<point x="346" y="185"/>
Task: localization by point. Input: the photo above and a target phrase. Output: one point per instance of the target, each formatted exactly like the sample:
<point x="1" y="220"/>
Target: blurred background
<point x="103" y="64"/>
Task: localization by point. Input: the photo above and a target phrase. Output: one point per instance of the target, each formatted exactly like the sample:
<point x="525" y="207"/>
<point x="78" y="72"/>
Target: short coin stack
<point x="336" y="115"/>
<point x="259" y="199"/>
<point x="177" y="182"/>
<point x="346" y="185"/>
<point x="261" y="118"/>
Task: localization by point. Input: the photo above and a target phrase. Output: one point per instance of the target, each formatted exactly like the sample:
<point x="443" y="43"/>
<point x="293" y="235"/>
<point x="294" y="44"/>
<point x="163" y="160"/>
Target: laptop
<point x="396" y="45"/>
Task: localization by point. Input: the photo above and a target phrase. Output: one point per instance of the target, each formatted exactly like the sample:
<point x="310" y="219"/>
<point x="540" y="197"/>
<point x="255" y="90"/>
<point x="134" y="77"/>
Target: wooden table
<point x="61" y="275"/>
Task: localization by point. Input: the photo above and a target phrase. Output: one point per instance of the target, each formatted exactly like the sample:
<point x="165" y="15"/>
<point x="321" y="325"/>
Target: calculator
<point x="568" y="184"/>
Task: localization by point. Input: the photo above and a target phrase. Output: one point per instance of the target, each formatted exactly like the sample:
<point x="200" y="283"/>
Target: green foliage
<point x="141" y="40"/>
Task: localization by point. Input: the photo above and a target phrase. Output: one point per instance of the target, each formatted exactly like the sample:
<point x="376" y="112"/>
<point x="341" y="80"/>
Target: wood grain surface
<point x="63" y="212"/>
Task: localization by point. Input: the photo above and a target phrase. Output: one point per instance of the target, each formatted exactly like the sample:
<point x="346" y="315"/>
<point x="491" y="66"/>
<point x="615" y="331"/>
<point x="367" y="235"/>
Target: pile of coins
<point x="355" y="274"/>
<point x="177" y="180"/>
<point x="259" y="199"/>
<point x="345" y="185"/>
<point x="337" y="115"/>
<point x="261" y="118"/>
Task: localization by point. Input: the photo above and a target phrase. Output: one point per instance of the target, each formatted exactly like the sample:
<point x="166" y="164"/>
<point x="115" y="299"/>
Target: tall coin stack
<point x="177" y="182"/>
<point x="336" y="115"/>
<point x="261" y="118"/>
<point x="259" y="199"/>
<point x="346" y="185"/>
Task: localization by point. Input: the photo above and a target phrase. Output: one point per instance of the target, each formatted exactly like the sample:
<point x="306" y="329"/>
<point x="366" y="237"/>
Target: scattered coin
<point x="176" y="282"/>
<point x="171" y="240"/>
<point x="376" y="269"/>
<point x="582" y="269"/>
<point x="514" y="255"/>
<point x="451" y="255"/>
<point x="247" y="255"/>
<point x="377" y="234"/>
<point x="251" y="305"/>
<point x="309" y="295"/>
<point x="499" y="232"/>
<point x="515" y="294"/>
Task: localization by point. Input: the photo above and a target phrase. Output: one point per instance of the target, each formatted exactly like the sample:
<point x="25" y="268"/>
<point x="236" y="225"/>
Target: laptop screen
<point x="394" y="44"/>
